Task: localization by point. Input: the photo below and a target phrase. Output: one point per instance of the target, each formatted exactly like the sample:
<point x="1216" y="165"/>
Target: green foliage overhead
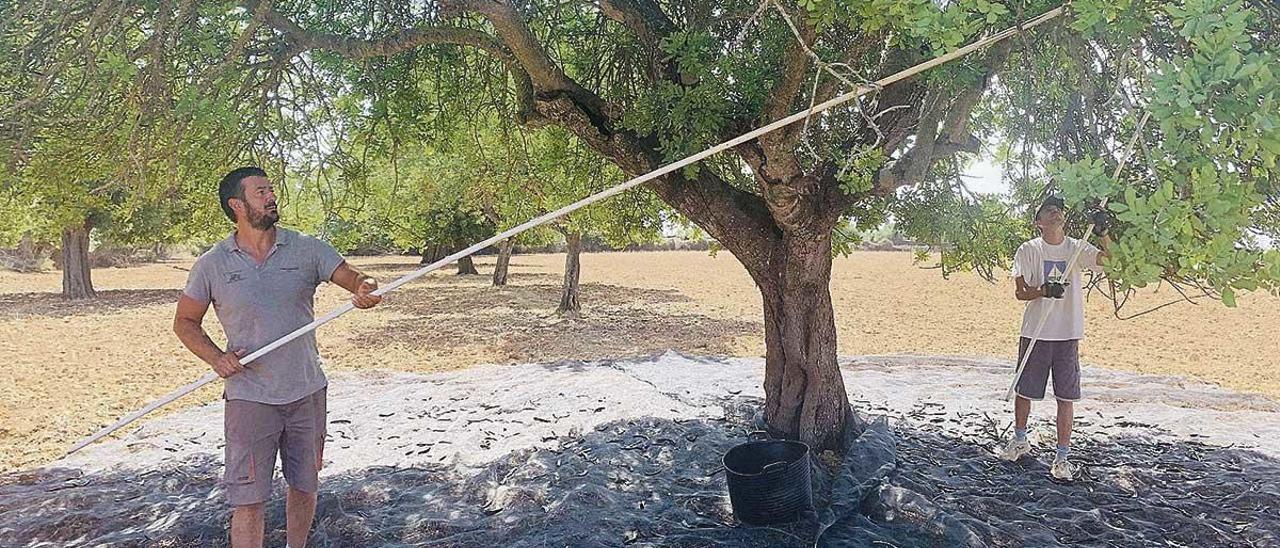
<point x="1195" y="201"/>
<point x="132" y="118"/>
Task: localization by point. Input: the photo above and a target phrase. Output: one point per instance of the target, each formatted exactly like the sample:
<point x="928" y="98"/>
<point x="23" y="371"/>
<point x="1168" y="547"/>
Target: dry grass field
<point x="69" y="368"/>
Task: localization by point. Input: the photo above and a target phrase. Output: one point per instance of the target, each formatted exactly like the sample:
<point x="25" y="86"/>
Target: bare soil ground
<point x="69" y="368"/>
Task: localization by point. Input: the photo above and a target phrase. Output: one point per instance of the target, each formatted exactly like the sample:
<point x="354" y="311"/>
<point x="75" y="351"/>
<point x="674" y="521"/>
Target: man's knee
<point x="299" y="493"/>
<point x="248" y="511"/>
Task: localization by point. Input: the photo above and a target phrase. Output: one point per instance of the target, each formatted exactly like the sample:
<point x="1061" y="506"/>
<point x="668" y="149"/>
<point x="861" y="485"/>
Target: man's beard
<point x="263" y="219"/>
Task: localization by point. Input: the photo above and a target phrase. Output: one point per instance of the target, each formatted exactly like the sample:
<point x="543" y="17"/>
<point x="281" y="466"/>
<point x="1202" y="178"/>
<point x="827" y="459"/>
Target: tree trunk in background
<point x="433" y="252"/>
<point x="77" y="281"/>
<point x="29" y="256"/>
<point x="572" y="267"/>
<point x="467" y="267"/>
<point x="504" y="261"/>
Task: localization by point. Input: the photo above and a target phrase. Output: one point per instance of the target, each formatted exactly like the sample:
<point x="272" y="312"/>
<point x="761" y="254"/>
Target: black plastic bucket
<point x="769" y="481"/>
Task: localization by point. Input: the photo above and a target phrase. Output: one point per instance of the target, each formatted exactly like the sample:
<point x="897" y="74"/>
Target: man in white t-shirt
<point x="1041" y="279"/>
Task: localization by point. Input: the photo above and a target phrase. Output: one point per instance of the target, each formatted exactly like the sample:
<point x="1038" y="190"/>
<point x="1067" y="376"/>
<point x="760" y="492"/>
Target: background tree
<point x="106" y="123"/>
<point x="564" y="171"/>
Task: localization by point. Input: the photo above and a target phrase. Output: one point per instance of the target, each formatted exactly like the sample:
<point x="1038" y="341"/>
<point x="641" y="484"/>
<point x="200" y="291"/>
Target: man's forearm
<point x="349" y="278"/>
<point x="1029" y="293"/>
<point x="357" y="276"/>
<point x="194" y="337"/>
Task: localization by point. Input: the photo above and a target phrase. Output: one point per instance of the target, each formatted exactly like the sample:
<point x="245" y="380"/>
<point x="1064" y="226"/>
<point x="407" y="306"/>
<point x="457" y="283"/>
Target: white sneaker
<point x="1063" y="469"/>
<point x="1016" y="450"/>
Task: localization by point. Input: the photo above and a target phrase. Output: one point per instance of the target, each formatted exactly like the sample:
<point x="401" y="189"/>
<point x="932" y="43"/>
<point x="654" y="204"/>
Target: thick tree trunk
<point x="467" y="267"/>
<point x="805" y="396"/>
<point x="77" y="282"/>
<point x="504" y="261"/>
<point x="782" y="235"/>
<point x="572" y="267"/>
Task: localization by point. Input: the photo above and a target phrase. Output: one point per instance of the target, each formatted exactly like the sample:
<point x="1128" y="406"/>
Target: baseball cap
<point x="1052" y="200"/>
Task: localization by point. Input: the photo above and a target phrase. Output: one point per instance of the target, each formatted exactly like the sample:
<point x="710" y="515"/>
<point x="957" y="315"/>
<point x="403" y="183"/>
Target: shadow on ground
<point x="396" y="269"/>
<point x="519" y="322"/>
<point x="53" y="305"/>
<point x="651" y="482"/>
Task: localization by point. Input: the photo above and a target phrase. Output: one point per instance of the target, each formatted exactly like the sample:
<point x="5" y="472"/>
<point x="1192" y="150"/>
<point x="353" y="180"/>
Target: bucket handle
<point x="758" y="435"/>
<point x="772" y="466"/>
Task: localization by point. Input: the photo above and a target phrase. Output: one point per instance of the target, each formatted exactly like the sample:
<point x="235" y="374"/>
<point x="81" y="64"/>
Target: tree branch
<point x="861" y="46"/>
<point x="547" y="79"/>
<point x="906" y="99"/>
<point x="943" y="129"/>
<point x="737" y="219"/>
<point x="650" y="24"/>
<point x="795" y="63"/>
<point x="402" y="41"/>
<point x="257" y="18"/>
<point x="645" y="18"/>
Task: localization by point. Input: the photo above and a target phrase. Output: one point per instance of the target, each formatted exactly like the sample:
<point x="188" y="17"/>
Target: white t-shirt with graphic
<point x="1037" y="262"/>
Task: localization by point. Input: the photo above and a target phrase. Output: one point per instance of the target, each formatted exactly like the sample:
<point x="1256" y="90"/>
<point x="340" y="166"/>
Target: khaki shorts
<point x="1062" y="358"/>
<point x="255" y="432"/>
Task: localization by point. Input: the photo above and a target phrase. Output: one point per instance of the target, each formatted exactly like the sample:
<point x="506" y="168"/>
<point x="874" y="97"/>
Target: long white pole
<point x="863" y="90"/>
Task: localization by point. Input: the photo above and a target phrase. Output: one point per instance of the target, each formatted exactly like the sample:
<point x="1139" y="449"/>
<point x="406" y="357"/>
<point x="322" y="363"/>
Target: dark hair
<point x="230" y="187"/>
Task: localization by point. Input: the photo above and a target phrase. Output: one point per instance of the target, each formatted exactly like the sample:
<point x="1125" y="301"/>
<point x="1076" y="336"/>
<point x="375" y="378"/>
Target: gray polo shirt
<point x="258" y="304"/>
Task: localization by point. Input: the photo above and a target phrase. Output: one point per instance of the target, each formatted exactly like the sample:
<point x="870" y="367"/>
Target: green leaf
<point x="1229" y="297"/>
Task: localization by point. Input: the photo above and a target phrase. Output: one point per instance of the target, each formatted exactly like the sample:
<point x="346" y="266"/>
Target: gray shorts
<point x="1060" y="357"/>
<point x="255" y="432"/>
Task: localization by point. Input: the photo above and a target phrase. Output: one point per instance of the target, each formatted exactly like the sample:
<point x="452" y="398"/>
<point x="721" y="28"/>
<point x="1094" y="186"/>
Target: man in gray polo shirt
<point x="262" y="281"/>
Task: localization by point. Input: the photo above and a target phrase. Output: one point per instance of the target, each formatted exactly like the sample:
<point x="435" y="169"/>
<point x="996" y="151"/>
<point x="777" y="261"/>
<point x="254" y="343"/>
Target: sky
<point x="984" y="176"/>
